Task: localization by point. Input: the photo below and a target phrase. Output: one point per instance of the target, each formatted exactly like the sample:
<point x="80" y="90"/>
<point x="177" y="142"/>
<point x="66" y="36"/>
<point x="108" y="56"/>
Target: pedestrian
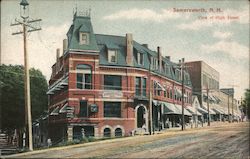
<point x="49" y="142"/>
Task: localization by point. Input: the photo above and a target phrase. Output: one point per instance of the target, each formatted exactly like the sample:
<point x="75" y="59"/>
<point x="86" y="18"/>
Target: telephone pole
<point x="27" y="27"/>
<point x="208" y="109"/>
<point x="182" y="67"/>
<point x="150" y="104"/>
<point x="232" y="85"/>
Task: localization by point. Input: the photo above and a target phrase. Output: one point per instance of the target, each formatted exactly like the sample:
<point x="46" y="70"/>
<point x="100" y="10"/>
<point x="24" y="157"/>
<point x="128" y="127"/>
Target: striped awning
<point x="193" y="111"/>
<point x="179" y="107"/>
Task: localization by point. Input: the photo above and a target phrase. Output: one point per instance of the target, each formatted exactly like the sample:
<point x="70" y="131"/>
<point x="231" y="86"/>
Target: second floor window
<point x="84" y="77"/>
<point x="112" y="56"/>
<point x="112" y="82"/>
<point x="144" y="86"/>
<point x="138" y="86"/>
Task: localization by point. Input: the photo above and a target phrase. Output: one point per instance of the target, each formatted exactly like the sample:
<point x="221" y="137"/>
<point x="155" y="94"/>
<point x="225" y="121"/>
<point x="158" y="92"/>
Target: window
<point x="112" y="109"/>
<point x="167" y="70"/>
<point x="168" y="93"/>
<point x="171" y="93"/>
<point x="83" y="109"/>
<point x="156" y="63"/>
<point x="84" y="77"/>
<point x="112" y="82"/>
<point x="138" y="86"/>
<point x="140" y="58"/>
<point x="112" y="56"/>
<point x="178" y="74"/>
<point x="118" y="132"/>
<point x="144" y="86"/>
<point x="158" y="90"/>
<point x="84" y="38"/>
<point x="165" y="93"/>
<point x="107" y="132"/>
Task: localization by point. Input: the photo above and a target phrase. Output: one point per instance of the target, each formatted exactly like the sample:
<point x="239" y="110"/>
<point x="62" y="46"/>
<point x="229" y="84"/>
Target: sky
<point x="220" y="39"/>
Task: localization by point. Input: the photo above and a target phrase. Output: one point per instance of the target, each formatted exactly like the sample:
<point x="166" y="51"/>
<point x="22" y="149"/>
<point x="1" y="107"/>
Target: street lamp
<point x="24" y="9"/>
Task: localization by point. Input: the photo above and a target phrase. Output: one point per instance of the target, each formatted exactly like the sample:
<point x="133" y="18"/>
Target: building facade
<point x="105" y="85"/>
<point x="205" y="80"/>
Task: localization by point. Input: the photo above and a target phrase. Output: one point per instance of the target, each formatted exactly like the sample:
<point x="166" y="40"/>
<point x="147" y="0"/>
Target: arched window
<point x="84" y="76"/>
<point x="118" y="132"/>
<point x="107" y="132"/>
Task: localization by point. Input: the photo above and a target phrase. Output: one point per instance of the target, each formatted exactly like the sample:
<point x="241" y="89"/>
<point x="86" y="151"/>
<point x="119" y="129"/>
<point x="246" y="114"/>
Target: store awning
<point x="58" y="85"/>
<point x="211" y="112"/>
<point x="179" y="107"/>
<point x="193" y="111"/>
<point x="218" y="110"/>
<point x="55" y="111"/>
<point x="169" y="108"/>
<point x="202" y="111"/>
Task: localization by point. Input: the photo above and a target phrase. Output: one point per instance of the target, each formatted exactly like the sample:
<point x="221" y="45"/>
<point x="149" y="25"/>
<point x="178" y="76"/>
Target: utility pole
<point x="208" y="122"/>
<point x="26" y="23"/>
<point x="150" y="103"/>
<point x="182" y="94"/>
<point x="182" y="67"/>
<point x="228" y="107"/>
<point x="232" y="85"/>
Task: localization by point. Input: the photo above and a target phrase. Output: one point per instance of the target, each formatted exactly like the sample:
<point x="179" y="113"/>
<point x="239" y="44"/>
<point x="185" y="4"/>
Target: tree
<point x="12" y="96"/>
<point x="246" y="103"/>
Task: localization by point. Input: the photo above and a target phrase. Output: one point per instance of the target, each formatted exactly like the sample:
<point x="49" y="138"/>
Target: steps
<point x="5" y="147"/>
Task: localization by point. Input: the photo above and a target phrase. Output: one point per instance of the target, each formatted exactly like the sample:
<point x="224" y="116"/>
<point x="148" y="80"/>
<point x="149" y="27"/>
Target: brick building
<point x="204" y="76"/>
<point x="100" y="85"/>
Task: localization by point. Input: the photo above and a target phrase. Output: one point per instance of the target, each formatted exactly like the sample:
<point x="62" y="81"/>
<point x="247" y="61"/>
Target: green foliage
<point x="246" y="103"/>
<point x="12" y="95"/>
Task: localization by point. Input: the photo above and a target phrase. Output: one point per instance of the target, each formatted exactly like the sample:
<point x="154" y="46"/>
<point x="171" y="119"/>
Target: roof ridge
<point x="111" y="35"/>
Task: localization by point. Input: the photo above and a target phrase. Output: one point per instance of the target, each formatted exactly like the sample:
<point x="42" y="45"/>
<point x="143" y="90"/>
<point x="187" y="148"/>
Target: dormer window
<point x="167" y="69"/>
<point x="140" y="58"/>
<point x="84" y="38"/>
<point x="112" y="56"/>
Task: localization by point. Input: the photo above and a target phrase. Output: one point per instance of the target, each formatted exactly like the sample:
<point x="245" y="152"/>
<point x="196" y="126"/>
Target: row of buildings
<point x="108" y="86"/>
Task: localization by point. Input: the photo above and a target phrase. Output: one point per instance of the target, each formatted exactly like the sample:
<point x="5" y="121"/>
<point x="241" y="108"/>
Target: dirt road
<point x="221" y="140"/>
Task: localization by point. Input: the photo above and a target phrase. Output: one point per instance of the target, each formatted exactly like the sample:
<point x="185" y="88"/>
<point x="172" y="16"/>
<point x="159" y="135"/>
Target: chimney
<point x="145" y="45"/>
<point x="57" y="59"/>
<point x="129" y="44"/>
<point x="65" y="45"/>
<point x="167" y="57"/>
<point x="57" y="54"/>
<point x="159" y="58"/>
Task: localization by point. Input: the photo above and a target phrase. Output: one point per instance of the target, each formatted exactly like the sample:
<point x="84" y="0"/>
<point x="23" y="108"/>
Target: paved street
<point x="221" y="141"/>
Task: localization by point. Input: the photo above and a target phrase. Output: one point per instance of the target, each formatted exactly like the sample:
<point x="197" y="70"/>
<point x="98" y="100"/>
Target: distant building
<point x="205" y="77"/>
<point x="100" y="86"/>
<point x="205" y="82"/>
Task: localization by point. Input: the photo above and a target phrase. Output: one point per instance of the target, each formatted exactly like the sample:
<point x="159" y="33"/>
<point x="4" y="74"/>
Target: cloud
<point x="222" y="35"/>
<point x="230" y="48"/>
<point x="41" y="47"/>
<point x="217" y="19"/>
<point x="145" y="15"/>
